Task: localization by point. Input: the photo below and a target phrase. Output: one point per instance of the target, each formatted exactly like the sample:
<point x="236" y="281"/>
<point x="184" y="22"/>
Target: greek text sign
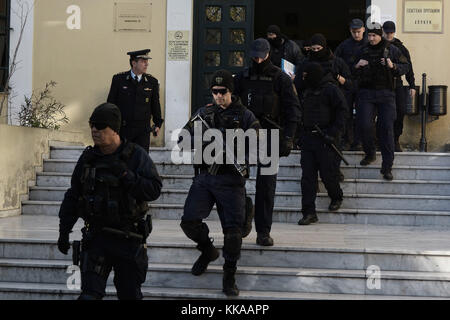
<point x="178" y="46"/>
<point x="133" y="17"/>
<point x="423" y="16"/>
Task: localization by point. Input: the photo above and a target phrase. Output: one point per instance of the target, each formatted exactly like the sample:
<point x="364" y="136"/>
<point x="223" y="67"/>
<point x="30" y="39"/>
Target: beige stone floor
<point x="317" y="236"/>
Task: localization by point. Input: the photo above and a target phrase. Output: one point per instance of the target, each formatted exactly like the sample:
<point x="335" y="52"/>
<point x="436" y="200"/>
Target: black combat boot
<point x="387" y="174"/>
<point x="249" y="214"/>
<point x="209" y="254"/>
<point x="335" y="205"/>
<point x="310" y="218"/>
<point x="229" y="283"/>
<point x="264" y="239"/>
<point x="368" y="159"/>
<point x="341" y="176"/>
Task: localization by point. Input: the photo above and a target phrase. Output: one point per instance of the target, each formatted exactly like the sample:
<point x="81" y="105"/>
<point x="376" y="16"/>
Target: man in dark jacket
<point x="323" y="105"/>
<point x="378" y="64"/>
<point x="224" y="187"/>
<point x="269" y="93"/>
<point x="110" y="187"/>
<point x="348" y="50"/>
<point x="282" y="48"/>
<point x="136" y="93"/>
<point x="400" y="96"/>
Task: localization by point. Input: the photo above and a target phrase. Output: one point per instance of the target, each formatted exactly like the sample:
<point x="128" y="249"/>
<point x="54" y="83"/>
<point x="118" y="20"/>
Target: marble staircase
<point x="400" y="228"/>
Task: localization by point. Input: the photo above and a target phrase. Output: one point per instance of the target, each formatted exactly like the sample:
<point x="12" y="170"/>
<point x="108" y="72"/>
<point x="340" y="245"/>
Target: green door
<point x="223" y="32"/>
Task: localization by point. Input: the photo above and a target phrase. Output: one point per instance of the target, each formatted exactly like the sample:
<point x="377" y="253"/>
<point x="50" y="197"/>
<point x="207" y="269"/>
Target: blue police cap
<point x="356" y="24"/>
<point x="260" y="48"/>
<point x="389" y="26"/>
<point x="140" y="54"/>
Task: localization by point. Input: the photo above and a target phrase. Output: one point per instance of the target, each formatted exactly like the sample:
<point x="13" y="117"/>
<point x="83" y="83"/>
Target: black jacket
<point x="142" y="181"/>
<point x="283" y="87"/>
<point x="348" y="50"/>
<point x="410" y="75"/>
<point x="289" y="51"/>
<point x="138" y="102"/>
<point x="332" y="65"/>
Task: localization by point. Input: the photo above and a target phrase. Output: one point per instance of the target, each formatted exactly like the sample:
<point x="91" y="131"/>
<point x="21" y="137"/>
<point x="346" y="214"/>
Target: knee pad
<point x="232" y="244"/>
<point x="196" y="230"/>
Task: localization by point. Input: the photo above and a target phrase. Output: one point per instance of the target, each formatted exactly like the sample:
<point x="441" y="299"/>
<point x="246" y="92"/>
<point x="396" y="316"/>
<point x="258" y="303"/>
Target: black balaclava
<point x="319" y="39"/>
<point x="109" y="114"/>
<point x="314" y="75"/>
<point x="278" y="41"/>
<point x="261" y="67"/>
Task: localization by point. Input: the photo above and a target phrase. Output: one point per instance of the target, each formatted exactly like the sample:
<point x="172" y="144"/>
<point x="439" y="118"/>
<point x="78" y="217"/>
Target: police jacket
<point x="138" y="102"/>
<point x="236" y="116"/>
<point x="375" y="75"/>
<point x="324" y="106"/>
<point x="410" y="75"/>
<point x="140" y="184"/>
<point x="348" y="50"/>
<point x="269" y="93"/>
<point x="289" y="51"/>
<point x="331" y="64"/>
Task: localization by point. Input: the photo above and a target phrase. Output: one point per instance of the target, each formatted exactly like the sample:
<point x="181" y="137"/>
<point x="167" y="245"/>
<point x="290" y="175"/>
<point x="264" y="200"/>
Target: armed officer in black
<point x="110" y="187"/>
<point x="136" y="93"/>
<point x="324" y="105"/>
<point x="269" y="93"/>
<point x="400" y="94"/>
<point x="224" y="186"/>
<point x="378" y="63"/>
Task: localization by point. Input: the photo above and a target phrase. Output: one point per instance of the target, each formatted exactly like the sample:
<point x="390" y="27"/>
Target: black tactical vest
<point x="316" y="110"/>
<point x="259" y="95"/>
<point x="104" y="202"/>
<point x="378" y="77"/>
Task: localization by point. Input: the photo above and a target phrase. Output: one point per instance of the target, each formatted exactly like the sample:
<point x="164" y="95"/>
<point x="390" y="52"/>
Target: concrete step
<point x="431" y="284"/>
<point x="293" y="199"/>
<point x="45" y="291"/>
<point x="252" y="255"/>
<point x="428" y="173"/>
<point x="401" y="158"/>
<point x="287" y="214"/>
<point x="289" y="184"/>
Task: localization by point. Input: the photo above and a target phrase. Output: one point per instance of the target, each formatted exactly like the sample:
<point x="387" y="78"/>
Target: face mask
<point x="319" y="55"/>
<point x="313" y="78"/>
<point x="276" y="42"/>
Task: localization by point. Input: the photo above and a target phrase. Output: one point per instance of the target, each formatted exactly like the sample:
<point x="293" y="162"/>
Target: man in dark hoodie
<point x="282" y="48"/>
<point x="333" y="66"/>
<point x="400" y="96"/>
<point x="378" y="64"/>
<point x="324" y="105"/>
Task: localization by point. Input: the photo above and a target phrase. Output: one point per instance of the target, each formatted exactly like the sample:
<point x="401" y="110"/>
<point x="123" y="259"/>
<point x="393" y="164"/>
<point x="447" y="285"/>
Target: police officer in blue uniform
<point x="224" y="186"/>
<point x="323" y="105"/>
<point x="400" y="94"/>
<point x="348" y="50"/>
<point x="378" y="63"/>
<point x="136" y="93"/>
<point x="269" y="93"/>
<point x="110" y="187"/>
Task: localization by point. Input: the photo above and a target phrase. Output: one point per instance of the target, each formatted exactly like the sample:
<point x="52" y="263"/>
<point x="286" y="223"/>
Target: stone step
<point x="287" y="214"/>
<point x="289" y="184"/>
<point x="401" y="158"/>
<point x="252" y="255"/>
<point x="292" y="199"/>
<point x="431" y="284"/>
<point x="428" y="173"/>
<point x="45" y="291"/>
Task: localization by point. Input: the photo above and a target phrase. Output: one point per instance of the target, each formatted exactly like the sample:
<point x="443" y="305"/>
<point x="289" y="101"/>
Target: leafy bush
<point x="42" y="110"/>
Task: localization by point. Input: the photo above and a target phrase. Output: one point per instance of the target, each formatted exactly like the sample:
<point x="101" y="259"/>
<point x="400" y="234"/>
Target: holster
<point x="76" y="251"/>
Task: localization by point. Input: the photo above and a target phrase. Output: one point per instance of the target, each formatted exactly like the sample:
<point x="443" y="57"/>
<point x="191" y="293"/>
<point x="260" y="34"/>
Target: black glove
<point x="119" y="168"/>
<point x="286" y="145"/>
<point x="63" y="243"/>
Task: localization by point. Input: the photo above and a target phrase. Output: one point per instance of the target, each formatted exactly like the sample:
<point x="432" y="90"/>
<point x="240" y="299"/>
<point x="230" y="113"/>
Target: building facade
<point x="81" y="44"/>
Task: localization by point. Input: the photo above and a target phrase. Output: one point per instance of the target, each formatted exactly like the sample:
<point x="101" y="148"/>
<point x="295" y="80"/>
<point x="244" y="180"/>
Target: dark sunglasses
<point x="98" y="125"/>
<point x="221" y="91"/>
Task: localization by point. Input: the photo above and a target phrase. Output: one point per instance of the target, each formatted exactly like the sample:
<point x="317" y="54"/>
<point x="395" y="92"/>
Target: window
<point x="4" y="41"/>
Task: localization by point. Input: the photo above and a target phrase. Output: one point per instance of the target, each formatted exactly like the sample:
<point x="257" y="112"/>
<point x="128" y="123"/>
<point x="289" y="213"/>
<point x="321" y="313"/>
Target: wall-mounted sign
<point x="133" y="16"/>
<point x="178" y="45"/>
<point x="423" y="16"/>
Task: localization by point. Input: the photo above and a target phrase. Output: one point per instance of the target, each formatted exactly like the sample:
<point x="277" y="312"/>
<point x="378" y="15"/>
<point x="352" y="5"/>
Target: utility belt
<point x="223" y="170"/>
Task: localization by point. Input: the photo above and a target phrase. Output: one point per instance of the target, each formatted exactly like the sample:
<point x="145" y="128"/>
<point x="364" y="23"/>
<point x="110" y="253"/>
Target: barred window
<point x="4" y="41"/>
